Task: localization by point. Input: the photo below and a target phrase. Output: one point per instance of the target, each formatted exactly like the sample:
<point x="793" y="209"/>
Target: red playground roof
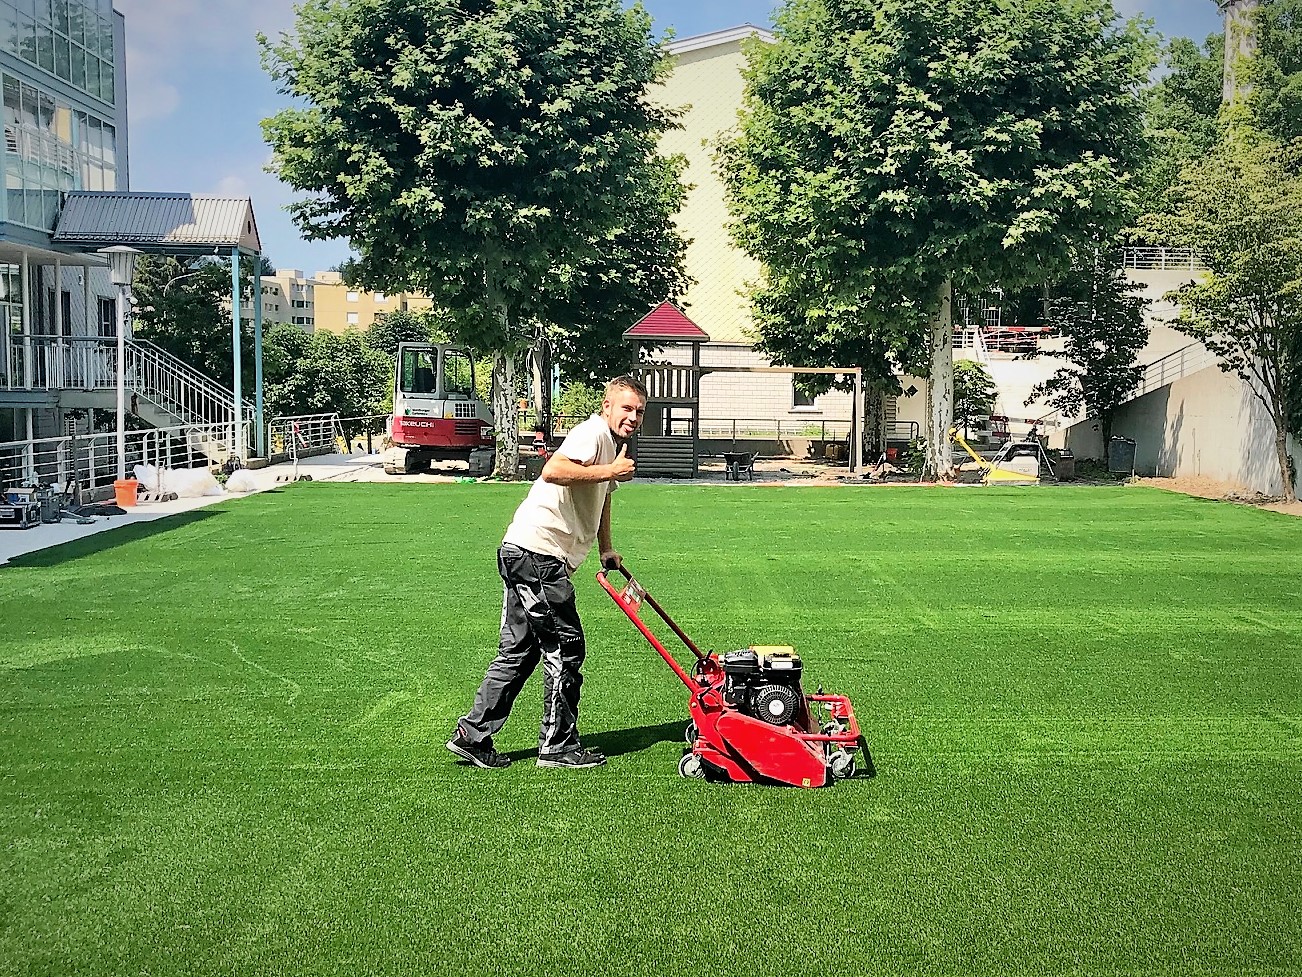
<point x="665" y="323"/>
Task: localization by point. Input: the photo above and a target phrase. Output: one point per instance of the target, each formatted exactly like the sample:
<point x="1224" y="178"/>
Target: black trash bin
<point x="1065" y="466"/>
<point x="1121" y="456"/>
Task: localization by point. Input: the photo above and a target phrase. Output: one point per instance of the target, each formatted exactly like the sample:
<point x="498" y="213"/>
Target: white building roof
<point x="728" y="35"/>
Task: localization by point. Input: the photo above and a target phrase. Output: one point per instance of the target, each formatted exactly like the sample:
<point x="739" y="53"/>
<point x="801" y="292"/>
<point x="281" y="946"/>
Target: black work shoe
<point x="484" y="757"/>
<point x="575" y="759"/>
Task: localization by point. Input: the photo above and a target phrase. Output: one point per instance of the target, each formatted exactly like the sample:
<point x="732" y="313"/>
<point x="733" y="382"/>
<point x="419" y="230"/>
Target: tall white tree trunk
<point x="940" y="390"/>
<point x="506" y="416"/>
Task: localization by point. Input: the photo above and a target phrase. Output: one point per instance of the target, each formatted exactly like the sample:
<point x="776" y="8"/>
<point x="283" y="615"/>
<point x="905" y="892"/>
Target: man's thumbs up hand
<point x="622" y="468"/>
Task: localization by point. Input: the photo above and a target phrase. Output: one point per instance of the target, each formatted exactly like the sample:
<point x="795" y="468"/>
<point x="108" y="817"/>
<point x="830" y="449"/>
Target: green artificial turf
<point x="221" y="742"/>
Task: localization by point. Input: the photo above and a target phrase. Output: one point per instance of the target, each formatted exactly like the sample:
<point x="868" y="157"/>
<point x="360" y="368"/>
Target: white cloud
<point x="167" y="37"/>
<point x="232" y="186"/>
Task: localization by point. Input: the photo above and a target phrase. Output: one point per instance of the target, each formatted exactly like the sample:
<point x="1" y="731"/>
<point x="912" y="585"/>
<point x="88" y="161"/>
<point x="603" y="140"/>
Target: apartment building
<point x="339" y="307"/>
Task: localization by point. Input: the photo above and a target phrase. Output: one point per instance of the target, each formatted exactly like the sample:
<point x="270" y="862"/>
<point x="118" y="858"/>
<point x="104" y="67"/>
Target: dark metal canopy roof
<point x="161" y="223"/>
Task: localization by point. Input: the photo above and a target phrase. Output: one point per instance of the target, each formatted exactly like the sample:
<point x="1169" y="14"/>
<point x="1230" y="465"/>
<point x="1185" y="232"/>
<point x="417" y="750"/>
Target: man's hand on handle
<point x="610" y="560"/>
<point x="622" y="468"/>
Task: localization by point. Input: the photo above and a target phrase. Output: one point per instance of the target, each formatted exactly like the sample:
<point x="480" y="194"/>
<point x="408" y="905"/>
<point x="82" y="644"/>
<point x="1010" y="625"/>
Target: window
<point x="108" y="317"/>
<point x="352" y="296"/>
<point x="352" y="318"/>
<point x="458" y="375"/>
<point x="799" y="398"/>
<point x="419" y="371"/>
<point x="380" y="297"/>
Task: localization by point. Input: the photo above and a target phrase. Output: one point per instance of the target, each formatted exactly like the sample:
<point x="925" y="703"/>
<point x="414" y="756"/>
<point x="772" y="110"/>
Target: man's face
<point x="623" y="410"/>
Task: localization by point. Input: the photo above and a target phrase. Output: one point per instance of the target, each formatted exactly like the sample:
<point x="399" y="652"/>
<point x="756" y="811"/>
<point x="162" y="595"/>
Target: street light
<point x="122" y="265"/>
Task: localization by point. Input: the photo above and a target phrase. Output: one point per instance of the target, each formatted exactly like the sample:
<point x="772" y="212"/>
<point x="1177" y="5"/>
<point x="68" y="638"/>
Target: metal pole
<point x="122" y="381"/>
<point x="237" y="434"/>
<point x="260" y="433"/>
<point x="856" y="422"/>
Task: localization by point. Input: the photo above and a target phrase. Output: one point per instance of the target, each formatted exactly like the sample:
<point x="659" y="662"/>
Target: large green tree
<point x="1096" y="313"/>
<point x="1182" y="109"/>
<point x="1240" y="208"/>
<point x="473" y="150"/>
<point x="893" y="150"/>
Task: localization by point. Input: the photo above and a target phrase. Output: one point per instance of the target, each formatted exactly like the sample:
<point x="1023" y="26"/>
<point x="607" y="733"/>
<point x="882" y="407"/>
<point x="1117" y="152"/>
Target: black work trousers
<point x="540" y="622"/>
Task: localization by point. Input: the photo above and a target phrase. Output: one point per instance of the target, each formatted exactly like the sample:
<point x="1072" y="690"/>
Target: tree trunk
<point x="874" y="424"/>
<point x="939" y="462"/>
<point x="506" y="417"/>
<point x="1281" y="449"/>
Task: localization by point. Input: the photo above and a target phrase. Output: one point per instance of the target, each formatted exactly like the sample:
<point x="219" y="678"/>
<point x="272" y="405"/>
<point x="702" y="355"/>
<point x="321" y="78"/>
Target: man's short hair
<point x="629" y="383"/>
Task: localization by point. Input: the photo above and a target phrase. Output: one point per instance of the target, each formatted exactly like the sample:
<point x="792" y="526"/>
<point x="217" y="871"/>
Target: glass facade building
<point x="59" y="73"/>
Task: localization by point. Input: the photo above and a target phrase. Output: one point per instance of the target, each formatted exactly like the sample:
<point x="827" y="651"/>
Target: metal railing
<point x="1174" y="366"/>
<point x="91" y="461"/>
<point x="178" y="387"/>
<point x="302" y="435"/>
<point x="90" y="363"/>
<point x="1162" y="259"/>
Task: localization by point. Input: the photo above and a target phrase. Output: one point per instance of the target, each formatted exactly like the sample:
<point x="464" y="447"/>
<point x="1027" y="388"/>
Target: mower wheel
<point x="691" y="766"/>
<point x="691" y="733"/>
<point x="841" y="764"/>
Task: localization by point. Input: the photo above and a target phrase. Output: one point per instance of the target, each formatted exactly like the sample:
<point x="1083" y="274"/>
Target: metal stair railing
<point x="177" y="387"/>
<point x="1174" y="366"/>
<point x="90" y="363"/>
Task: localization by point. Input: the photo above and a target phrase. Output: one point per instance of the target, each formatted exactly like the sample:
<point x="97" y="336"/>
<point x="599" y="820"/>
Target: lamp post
<point x="122" y="264"/>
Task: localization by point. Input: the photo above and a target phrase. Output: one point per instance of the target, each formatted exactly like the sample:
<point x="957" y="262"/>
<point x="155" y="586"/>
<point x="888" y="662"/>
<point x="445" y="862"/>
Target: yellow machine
<point x="1019" y="471"/>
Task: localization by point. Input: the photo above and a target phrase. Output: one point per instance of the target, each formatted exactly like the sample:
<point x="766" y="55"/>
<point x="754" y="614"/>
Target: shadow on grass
<point x="108" y="539"/>
<point x="618" y="742"/>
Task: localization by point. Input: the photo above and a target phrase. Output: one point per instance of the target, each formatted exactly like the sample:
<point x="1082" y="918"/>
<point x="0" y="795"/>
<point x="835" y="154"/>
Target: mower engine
<point x="764" y="683"/>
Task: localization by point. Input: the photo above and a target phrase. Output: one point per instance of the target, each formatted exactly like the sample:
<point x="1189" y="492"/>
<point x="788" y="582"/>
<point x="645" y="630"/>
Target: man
<point x="549" y="538"/>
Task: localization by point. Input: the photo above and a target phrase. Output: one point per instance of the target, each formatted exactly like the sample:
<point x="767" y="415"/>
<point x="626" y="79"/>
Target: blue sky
<point x="196" y="93"/>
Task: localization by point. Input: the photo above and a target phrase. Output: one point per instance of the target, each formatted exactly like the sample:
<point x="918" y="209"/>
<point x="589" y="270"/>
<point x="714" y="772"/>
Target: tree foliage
<point x="386" y="333"/>
<point x="483" y="152"/>
<point x="1182" y="108"/>
<point x="1240" y="208"/>
<point x="1096" y="312"/>
<point x="889" y="149"/>
<point x="974" y="393"/>
<point x="184" y="308"/>
<point x="322" y="373"/>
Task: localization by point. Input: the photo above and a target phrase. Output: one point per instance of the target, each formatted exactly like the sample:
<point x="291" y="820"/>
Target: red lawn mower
<point x="751" y="721"/>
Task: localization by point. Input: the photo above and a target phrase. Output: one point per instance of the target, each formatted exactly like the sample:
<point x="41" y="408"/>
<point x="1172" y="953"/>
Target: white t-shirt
<point x="562" y="520"/>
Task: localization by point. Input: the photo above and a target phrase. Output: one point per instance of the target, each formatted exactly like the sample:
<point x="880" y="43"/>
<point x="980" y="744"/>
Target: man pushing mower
<point x="566" y="510"/>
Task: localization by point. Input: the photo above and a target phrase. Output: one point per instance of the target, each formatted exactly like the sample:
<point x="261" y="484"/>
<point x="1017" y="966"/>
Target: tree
<point x="1240" y="208"/>
<point x="469" y="149"/>
<point x="974" y="393"/>
<point x="323" y="373"/>
<point x="386" y="333"/>
<point x="892" y="150"/>
<point x="1278" y="72"/>
<point x="629" y="270"/>
<point x="1182" y="108"/>
<point x="1097" y="314"/>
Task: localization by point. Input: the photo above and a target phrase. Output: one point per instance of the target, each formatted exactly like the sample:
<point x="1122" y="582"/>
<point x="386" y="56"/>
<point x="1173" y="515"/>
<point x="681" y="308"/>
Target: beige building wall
<point x="707" y="82"/>
<point x="340" y="307"/>
<point x="1208" y="424"/>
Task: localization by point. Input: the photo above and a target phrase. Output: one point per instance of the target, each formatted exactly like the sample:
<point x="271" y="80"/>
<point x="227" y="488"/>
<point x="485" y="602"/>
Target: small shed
<point x="668" y="444"/>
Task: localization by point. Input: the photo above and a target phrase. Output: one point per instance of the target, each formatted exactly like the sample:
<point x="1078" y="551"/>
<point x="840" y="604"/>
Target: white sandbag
<point x="190" y="483"/>
<point x="147" y="476"/>
<point x="242" y="480"/>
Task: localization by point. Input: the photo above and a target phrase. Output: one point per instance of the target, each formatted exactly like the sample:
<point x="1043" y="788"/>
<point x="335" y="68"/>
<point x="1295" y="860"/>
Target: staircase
<point x="161" y="389"/>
